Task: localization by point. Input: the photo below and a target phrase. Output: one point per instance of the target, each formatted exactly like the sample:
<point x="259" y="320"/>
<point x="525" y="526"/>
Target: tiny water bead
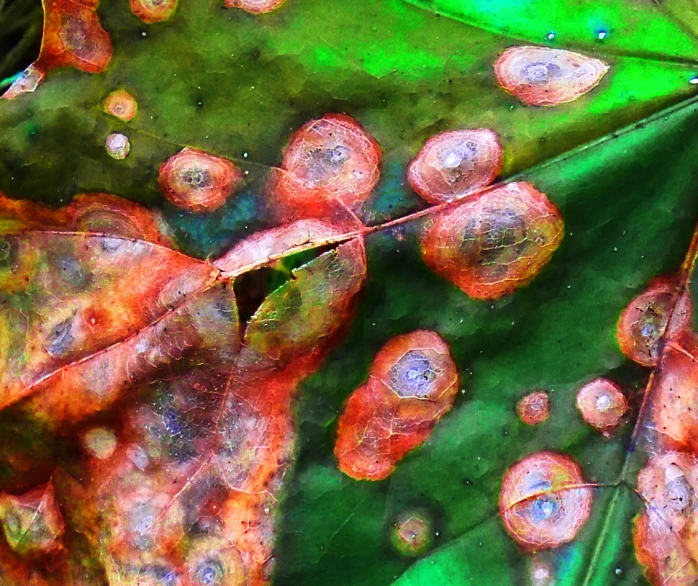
<point x="454" y="163"/>
<point x="412" y="383"/>
<point x="543" y="502"/>
<point x="152" y="11"/>
<point x="255" y="6"/>
<point x="118" y="146"/>
<point x="412" y="533"/>
<point x="541" y="76"/>
<point x="534" y="408"/>
<point x="198" y="181"/>
<point x="493" y="242"/>
<point x="602" y="404"/>
<point x="647" y="318"/>
<point x="121" y="104"/>
<point x="332" y="158"/>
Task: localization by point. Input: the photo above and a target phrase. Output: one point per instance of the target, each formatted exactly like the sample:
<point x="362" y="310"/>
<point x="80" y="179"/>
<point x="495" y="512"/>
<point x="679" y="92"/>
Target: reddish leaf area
<point x="198" y="181"/>
<point x="539" y="76"/>
<point x="495" y="241"/>
<point x="182" y="480"/>
<point x="454" y="163"/>
<point x="674" y="396"/>
<point x="152" y="11"/>
<point x="544" y="500"/>
<point x="328" y="162"/>
<point x="602" y="404"/>
<point x="412" y="383"/>
<point x="643" y="322"/>
<point x="664" y="534"/>
<point x="534" y="408"/>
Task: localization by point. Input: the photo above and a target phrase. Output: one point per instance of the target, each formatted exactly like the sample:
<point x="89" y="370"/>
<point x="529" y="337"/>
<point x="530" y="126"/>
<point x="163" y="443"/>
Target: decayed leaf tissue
<point x="387" y="293"/>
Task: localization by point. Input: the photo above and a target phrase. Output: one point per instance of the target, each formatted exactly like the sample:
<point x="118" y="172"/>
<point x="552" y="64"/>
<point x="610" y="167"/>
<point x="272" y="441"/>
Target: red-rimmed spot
<point x="540" y="76"/>
<point x="121" y="104"/>
<point x="412" y="533"/>
<point x="534" y="408"/>
<point x="255" y="6"/>
<point x="602" y="404"/>
<point x="543" y="503"/>
<point x="152" y="11"/>
<point x="73" y="36"/>
<point x="494" y="242"/>
<point x="647" y="318"/>
<point x="198" y="181"/>
<point x="330" y="160"/>
<point x="454" y="163"/>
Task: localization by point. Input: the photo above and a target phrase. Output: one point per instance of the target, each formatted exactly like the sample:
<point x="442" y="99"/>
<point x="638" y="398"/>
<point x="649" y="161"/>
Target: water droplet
<point x="118" y="145"/>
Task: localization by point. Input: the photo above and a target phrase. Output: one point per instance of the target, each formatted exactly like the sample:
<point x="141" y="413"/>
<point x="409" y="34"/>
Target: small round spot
<point x="99" y="442"/>
<point x="534" y="408"/>
<point x="541" y="76"/>
<point x="152" y="11"/>
<point x="118" y="146"/>
<point x="121" y="104"/>
<point x="602" y="404"/>
<point x="412" y="533"/>
<point x="493" y="242"/>
<point x="255" y="6"/>
<point x="198" y="181"/>
<point x="455" y="163"/>
<point x="658" y="311"/>
<point x="543" y="502"/>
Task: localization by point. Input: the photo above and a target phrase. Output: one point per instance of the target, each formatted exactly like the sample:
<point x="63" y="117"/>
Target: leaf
<point x="189" y="376"/>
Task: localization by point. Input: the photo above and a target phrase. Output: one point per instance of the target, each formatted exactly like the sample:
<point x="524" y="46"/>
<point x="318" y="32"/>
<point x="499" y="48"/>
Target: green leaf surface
<point x="619" y="163"/>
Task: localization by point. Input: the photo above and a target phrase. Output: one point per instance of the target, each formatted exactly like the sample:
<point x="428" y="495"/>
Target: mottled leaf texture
<point x="389" y="293"/>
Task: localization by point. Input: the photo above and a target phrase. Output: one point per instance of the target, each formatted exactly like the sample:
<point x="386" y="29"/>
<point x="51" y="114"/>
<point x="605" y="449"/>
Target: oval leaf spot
<point x="198" y="181"/>
<point x="412" y="533"/>
<point x="254" y="6"/>
<point x="151" y="11"/>
<point x="121" y="104"/>
<point x="543" y="502"/>
<point x="534" y="408"/>
<point x="412" y="383"/>
<point x="602" y="404"/>
<point x="455" y="163"/>
<point x="32" y="522"/>
<point x="539" y="76"/>
<point x="493" y="242"/>
<point x="664" y="534"/>
<point x="332" y="158"/>
<point x="646" y="319"/>
<point x="73" y="36"/>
